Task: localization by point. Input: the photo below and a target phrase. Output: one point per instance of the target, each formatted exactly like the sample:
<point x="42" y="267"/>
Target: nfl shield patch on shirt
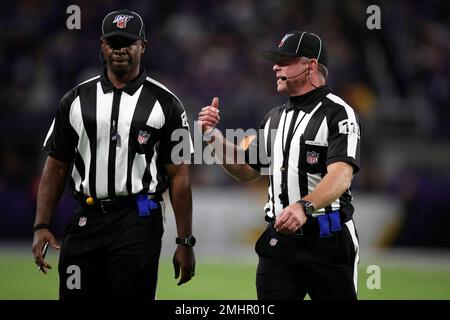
<point x="82" y="221"/>
<point x="273" y="242"/>
<point x="312" y="157"/>
<point x="143" y="137"/>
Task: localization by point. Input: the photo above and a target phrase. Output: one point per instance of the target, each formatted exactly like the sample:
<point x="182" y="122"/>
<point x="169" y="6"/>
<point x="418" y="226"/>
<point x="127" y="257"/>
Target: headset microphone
<point x="286" y="78"/>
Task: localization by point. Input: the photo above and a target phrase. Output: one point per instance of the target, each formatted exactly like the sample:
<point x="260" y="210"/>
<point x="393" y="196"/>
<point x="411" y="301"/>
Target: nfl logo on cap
<point x="121" y="20"/>
<point x="123" y="23"/>
<point x="284" y="39"/>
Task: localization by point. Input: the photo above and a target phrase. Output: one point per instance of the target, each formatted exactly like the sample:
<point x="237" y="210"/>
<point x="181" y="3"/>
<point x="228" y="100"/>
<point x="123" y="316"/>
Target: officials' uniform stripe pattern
<point x="351" y="228"/>
<point x="311" y="132"/>
<point x="115" y="153"/>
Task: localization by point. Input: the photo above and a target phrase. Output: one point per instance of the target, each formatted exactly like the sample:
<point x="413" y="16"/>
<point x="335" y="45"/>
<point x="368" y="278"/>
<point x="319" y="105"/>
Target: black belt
<point x="112" y="204"/>
<point x="311" y="227"/>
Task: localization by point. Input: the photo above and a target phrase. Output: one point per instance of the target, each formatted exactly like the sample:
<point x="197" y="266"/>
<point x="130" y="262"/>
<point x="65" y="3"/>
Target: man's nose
<point x="119" y="50"/>
<point x="276" y="67"/>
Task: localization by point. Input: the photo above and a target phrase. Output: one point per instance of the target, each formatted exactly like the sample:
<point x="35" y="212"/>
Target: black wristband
<point x="188" y="241"/>
<point x="40" y="226"/>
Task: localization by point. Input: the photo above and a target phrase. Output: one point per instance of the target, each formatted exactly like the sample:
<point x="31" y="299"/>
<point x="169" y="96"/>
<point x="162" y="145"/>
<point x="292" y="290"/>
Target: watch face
<point x="308" y="206"/>
<point x="189" y="241"/>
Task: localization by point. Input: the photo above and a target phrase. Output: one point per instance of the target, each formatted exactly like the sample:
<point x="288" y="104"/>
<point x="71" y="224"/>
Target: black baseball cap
<point x="299" y="44"/>
<point x="125" y="23"/>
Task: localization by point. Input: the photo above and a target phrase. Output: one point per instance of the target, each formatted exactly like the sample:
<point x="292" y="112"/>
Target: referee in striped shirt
<point x="309" y="147"/>
<point x="112" y="134"/>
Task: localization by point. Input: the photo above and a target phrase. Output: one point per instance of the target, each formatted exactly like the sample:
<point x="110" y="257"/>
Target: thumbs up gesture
<point x="209" y="117"/>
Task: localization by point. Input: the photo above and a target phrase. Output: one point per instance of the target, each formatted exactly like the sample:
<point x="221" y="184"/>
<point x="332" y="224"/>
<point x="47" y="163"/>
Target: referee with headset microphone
<point x="310" y="148"/>
<point x="112" y="134"/>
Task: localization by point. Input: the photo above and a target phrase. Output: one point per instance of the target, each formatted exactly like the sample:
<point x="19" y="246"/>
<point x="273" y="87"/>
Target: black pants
<point x="291" y="266"/>
<point x="110" y="255"/>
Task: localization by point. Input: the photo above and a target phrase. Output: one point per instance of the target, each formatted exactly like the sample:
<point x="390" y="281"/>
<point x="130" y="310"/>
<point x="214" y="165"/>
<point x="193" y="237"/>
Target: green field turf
<point x="19" y="279"/>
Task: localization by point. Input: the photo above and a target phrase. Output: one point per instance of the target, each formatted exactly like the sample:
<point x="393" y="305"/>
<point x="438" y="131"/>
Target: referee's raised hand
<point x="209" y="117"/>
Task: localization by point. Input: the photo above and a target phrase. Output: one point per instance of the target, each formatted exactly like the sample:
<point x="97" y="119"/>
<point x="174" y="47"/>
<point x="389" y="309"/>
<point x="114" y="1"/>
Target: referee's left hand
<point x="290" y="219"/>
<point x="184" y="263"/>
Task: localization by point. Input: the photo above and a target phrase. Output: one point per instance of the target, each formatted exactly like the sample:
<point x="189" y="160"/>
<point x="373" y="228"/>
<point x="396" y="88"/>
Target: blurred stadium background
<point x="397" y="78"/>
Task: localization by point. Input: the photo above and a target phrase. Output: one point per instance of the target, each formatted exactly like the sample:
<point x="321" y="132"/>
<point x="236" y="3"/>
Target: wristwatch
<point x="188" y="241"/>
<point x="307" y="206"/>
<point x="41" y="226"/>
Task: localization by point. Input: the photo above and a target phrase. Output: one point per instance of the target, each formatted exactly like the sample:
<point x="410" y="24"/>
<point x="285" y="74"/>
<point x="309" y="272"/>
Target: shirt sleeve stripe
<point x="50" y="131"/>
<point x="352" y="138"/>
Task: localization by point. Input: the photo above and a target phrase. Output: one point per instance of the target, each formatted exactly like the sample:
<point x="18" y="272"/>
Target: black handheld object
<point x="44" y="252"/>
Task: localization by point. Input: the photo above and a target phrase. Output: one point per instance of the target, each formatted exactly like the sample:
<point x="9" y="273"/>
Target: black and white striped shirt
<point x="118" y="140"/>
<point x="301" y="138"/>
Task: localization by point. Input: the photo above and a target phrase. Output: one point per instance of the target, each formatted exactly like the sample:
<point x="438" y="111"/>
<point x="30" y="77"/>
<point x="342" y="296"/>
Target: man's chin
<point x="119" y="71"/>
<point x="281" y="88"/>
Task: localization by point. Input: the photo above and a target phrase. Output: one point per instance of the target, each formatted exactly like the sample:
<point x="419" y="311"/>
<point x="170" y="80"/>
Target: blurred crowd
<point x="397" y="78"/>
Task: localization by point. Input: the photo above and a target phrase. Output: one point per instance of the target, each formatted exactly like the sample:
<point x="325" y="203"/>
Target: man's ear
<point x="144" y="44"/>
<point x="102" y="49"/>
<point x="313" y="65"/>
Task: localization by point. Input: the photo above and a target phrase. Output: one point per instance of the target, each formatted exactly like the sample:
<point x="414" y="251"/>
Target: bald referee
<point x="112" y="134"/>
<point x="310" y="148"/>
